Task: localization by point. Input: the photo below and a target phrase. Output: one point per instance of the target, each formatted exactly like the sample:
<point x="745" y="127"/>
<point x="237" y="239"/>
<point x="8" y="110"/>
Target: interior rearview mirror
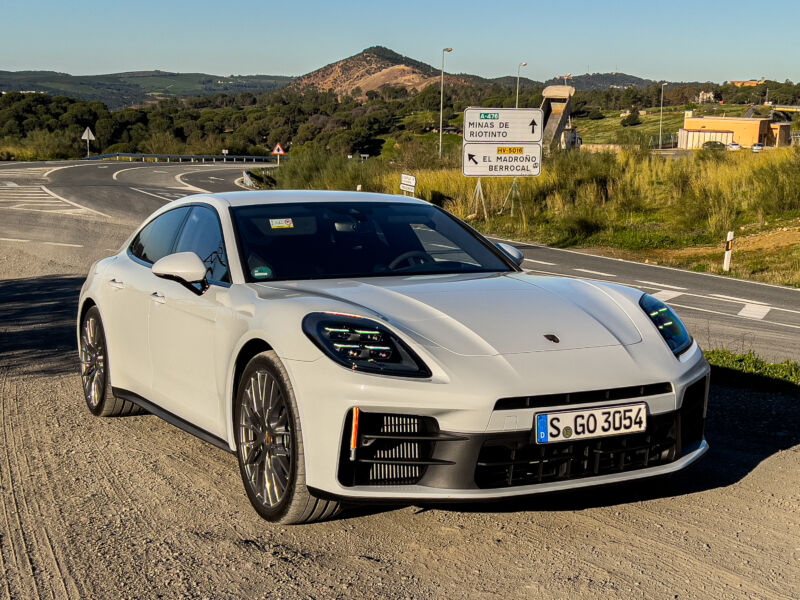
<point x="184" y="267"/>
<point x="510" y="251"/>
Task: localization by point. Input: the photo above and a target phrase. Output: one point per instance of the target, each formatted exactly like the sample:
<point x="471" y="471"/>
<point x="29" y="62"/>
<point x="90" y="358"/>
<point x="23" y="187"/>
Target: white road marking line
<point x="754" y="311"/>
<point x="735" y="299"/>
<point x="2" y="239"/>
<point x="661" y="285"/>
<point x="75" y="204"/>
<point x="116" y="173"/>
<point x="152" y="194"/>
<point x="187" y="186"/>
<point x="240" y="183"/>
<point x="11" y="184"/>
<point x="595" y="272"/>
<point x="48" y="173"/>
<point x="724" y="314"/>
<point x="716" y="312"/>
<point x="63" y="244"/>
<point x="540" y="262"/>
<point x="634" y="262"/>
<point x="667" y="295"/>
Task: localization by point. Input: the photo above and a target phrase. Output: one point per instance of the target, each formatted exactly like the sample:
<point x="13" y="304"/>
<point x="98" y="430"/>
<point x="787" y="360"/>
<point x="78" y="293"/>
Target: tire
<point x="95" y="372"/>
<point x="269" y="446"/>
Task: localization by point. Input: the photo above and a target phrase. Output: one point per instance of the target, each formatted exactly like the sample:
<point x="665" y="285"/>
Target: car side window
<point x="156" y="239"/>
<point x="202" y="234"/>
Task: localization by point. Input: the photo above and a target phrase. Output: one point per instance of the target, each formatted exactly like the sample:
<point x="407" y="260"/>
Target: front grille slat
<point x="546" y="400"/>
<point x="519" y="461"/>
<point x="392" y="449"/>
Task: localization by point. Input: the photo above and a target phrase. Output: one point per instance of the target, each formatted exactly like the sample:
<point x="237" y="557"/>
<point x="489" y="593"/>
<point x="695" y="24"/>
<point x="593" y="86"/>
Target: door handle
<point x="115" y="283"/>
<point x="158" y="297"/>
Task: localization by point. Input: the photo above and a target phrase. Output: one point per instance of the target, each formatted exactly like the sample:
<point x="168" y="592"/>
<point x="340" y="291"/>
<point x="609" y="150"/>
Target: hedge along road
<point x="132" y="507"/>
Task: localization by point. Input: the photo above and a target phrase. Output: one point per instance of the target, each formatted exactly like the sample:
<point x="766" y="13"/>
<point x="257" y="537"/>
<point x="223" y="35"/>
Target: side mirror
<point x="512" y="253"/>
<point x="184" y="267"/>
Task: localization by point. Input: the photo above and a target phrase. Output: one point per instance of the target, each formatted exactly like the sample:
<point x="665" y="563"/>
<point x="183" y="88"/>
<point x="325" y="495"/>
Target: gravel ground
<point x="133" y="508"/>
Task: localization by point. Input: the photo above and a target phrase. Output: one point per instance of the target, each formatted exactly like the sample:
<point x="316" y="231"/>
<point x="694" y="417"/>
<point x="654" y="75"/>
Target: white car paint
<point x="481" y="335"/>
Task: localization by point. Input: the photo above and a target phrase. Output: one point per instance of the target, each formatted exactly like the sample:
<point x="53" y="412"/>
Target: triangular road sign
<point x="278" y="151"/>
<point x="88" y="135"/>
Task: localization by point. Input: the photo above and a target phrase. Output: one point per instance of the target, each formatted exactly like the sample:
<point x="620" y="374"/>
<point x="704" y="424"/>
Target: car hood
<point x="483" y="314"/>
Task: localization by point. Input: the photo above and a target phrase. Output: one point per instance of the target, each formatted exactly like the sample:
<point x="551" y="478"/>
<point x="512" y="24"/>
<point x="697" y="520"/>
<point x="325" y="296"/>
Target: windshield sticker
<point x="261" y="273"/>
<point x="281" y="224"/>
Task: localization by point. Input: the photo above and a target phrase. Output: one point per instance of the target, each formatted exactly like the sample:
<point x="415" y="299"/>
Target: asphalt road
<point x="74" y="204"/>
<point x="133" y="508"/>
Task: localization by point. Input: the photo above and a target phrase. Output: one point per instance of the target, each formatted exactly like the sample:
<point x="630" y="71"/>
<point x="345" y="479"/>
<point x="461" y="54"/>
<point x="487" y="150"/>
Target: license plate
<point x="569" y="425"/>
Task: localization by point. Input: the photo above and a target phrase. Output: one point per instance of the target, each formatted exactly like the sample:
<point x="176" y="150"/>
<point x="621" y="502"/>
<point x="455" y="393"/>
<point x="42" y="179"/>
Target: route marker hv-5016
<point x="502" y="142"/>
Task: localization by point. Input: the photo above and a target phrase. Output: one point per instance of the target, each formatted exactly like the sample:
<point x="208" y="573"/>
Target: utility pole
<point x="441" y="101"/>
<point x="522" y="64"/>
<point x="661" y="117"/>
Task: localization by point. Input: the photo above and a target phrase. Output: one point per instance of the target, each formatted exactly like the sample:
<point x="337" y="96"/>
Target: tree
<point x="632" y="119"/>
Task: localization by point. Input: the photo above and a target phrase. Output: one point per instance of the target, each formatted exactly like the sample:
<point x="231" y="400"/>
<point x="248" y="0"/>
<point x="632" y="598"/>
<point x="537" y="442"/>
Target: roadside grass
<point x="749" y="370"/>
<point x="670" y="210"/>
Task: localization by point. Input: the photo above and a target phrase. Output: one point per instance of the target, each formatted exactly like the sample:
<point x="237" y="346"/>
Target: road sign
<point x="500" y="125"/>
<point x="88" y="135"/>
<point x="278" y="151"/>
<point x="408" y="183"/>
<point x="502" y="160"/>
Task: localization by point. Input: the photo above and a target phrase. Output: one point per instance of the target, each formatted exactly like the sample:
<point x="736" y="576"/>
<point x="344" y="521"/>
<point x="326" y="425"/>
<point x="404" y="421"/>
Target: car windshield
<point x="329" y="240"/>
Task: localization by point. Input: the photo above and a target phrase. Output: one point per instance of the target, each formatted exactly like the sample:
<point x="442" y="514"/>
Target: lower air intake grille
<point x="392" y="449"/>
<point x="507" y="460"/>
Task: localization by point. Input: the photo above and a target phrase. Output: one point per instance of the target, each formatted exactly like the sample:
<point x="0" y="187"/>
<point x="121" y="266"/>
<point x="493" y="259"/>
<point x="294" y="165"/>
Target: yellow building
<point x="744" y="131"/>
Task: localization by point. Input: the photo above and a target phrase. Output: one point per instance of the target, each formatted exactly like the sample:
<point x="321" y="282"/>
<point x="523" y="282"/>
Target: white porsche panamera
<point x="364" y="347"/>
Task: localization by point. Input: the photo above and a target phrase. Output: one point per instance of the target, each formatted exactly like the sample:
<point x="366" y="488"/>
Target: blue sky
<point x="674" y="40"/>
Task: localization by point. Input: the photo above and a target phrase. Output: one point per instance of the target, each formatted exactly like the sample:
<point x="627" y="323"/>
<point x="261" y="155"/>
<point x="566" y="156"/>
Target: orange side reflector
<point x="354" y="434"/>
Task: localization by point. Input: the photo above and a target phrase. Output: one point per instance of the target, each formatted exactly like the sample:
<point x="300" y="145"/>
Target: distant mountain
<point x="120" y="90"/>
<point x="372" y="69"/>
<point x="602" y="81"/>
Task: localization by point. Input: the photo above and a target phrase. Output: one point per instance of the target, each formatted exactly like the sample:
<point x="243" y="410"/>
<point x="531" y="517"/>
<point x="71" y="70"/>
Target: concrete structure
<point x="742" y="130"/>
<point x="557" y="107"/>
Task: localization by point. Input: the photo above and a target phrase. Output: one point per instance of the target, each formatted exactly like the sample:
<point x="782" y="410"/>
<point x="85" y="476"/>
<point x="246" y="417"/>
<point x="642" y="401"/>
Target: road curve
<point x="133" y="508"/>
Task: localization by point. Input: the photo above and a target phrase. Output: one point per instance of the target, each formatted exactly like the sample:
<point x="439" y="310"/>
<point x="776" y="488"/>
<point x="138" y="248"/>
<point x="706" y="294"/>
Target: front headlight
<point x="363" y="345"/>
<point x="668" y="324"/>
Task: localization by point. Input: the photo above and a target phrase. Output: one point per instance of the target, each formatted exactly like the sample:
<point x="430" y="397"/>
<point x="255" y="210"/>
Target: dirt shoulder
<point x="133" y="508"/>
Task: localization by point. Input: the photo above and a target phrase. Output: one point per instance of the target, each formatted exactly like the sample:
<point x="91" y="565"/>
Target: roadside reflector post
<point x="726" y="264"/>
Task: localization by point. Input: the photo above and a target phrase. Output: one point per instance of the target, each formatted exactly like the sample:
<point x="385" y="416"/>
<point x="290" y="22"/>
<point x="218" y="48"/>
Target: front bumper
<point x="494" y="456"/>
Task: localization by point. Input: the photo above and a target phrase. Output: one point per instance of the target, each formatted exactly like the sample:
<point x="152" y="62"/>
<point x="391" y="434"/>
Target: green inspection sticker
<point x="262" y="273"/>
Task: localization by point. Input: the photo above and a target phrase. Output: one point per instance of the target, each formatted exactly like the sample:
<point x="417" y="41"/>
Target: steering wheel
<point x="424" y="258"/>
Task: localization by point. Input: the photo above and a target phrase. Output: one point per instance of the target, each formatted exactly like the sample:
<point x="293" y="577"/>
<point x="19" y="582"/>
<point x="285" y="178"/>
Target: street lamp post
<point x="441" y="101"/>
<point x="522" y="64"/>
<point x="661" y="117"/>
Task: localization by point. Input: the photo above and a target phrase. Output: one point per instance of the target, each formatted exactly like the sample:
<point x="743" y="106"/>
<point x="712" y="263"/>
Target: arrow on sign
<point x="472" y="158"/>
<point x="533" y="125"/>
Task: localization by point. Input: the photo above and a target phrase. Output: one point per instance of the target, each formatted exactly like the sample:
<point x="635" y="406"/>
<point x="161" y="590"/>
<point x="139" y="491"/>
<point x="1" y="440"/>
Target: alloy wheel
<point x="265" y="438"/>
<point x="93" y="362"/>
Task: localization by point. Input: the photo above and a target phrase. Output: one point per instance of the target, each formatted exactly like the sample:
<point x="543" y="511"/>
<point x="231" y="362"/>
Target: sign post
<point x="89" y="137"/>
<point x="502" y="142"/>
<point x="408" y="183"/>
<point x="278" y="151"/>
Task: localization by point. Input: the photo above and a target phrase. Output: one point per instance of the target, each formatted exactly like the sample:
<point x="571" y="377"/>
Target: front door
<point x="183" y="330"/>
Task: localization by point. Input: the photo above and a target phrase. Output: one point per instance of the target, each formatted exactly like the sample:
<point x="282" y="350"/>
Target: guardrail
<point x="202" y="158"/>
